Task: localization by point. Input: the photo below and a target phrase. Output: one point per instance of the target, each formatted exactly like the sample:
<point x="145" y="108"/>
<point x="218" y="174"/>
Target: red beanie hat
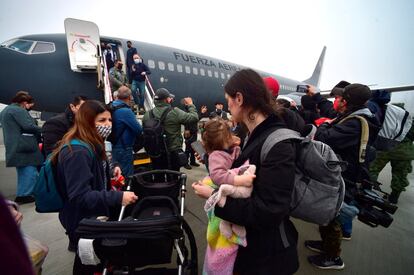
<point x="272" y="85"/>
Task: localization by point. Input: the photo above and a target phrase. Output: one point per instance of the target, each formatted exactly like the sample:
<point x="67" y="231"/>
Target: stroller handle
<point x="121" y="214"/>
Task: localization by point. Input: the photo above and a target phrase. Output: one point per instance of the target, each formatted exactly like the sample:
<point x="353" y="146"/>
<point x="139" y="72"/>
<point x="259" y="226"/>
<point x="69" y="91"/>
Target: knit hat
<point x="308" y="103"/>
<point x="272" y="85"/>
<point x="339" y="88"/>
<point x="162" y="93"/>
<point x="357" y="94"/>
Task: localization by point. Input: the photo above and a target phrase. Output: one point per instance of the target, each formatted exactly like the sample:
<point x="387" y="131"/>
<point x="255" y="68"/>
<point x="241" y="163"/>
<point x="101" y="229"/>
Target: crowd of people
<point x="252" y="203"/>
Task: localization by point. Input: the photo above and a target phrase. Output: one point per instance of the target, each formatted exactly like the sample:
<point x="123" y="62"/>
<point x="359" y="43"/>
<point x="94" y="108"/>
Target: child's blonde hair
<point x="216" y="135"/>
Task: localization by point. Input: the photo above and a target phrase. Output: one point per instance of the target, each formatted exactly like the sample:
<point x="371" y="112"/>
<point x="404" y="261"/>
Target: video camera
<point x="374" y="210"/>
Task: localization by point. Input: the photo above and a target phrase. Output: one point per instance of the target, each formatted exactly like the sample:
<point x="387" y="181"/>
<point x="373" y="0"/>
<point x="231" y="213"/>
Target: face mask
<point x="120" y="67"/>
<point x="104" y="131"/>
<point x="335" y="104"/>
<point x="218" y="111"/>
<point x="137" y="61"/>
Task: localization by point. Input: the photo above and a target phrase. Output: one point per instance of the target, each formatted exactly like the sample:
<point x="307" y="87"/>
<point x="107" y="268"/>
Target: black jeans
<point x="188" y="149"/>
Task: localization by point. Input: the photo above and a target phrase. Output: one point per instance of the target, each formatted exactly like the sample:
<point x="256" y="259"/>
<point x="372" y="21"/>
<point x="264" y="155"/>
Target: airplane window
<point x="188" y="69"/>
<point x="179" y="68"/>
<point x="171" y="67"/>
<point x="195" y="71"/>
<point x="216" y="74"/>
<point x="222" y="76"/>
<point x="21" y="45"/>
<point x="161" y="65"/>
<point x="44" y="47"/>
<point x="210" y="74"/>
<point x="151" y="63"/>
<point x="202" y="72"/>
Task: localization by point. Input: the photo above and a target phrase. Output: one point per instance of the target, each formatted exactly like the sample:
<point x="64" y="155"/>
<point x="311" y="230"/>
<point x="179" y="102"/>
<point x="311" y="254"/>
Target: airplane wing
<point x="395" y="89"/>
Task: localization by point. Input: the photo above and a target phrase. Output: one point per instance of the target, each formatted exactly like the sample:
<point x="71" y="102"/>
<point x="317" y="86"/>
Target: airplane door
<point x="84" y="51"/>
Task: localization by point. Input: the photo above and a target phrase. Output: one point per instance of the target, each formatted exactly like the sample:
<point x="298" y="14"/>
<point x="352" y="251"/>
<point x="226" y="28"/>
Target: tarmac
<point x="379" y="251"/>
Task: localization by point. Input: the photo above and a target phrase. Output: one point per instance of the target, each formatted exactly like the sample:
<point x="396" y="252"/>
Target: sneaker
<point x="315" y="246"/>
<point x="195" y="164"/>
<point x="24" y="199"/>
<point x="188" y="166"/>
<point x="346" y="236"/>
<point x="326" y="262"/>
<point x="393" y="197"/>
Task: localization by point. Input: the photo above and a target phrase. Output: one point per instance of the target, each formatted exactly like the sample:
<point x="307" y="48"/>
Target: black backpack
<point x="112" y="138"/>
<point x="155" y="140"/>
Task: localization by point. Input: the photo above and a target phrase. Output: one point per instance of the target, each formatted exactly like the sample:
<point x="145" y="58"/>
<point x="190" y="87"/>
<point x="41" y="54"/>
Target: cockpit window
<point x="21" y="45"/>
<point x="29" y="46"/>
<point x="43" y="47"/>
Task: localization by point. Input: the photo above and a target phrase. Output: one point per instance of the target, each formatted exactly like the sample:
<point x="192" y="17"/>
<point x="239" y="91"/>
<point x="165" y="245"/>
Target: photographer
<point x="326" y="107"/>
<point x="343" y="135"/>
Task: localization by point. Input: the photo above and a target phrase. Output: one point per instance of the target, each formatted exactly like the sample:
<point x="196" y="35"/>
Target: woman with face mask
<point x="83" y="172"/>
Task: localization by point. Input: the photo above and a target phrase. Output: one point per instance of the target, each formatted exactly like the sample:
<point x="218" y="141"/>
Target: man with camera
<point x="344" y="135"/>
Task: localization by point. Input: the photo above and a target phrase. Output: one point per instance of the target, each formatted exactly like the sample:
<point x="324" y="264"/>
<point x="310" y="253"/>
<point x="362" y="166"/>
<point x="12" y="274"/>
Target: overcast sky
<point x="370" y="42"/>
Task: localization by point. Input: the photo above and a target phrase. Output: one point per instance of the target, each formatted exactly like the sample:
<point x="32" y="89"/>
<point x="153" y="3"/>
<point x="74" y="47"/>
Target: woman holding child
<point x="271" y="236"/>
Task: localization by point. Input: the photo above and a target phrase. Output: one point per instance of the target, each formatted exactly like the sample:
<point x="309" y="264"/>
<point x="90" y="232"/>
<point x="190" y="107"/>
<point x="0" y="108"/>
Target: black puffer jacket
<point x="55" y="128"/>
<point x="266" y="213"/>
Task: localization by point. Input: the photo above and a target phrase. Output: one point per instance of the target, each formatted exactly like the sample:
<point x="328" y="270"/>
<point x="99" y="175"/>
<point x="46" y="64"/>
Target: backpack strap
<point x="364" y="135"/>
<point x="164" y="114"/>
<point x="81" y="143"/>
<point x="276" y="137"/>
<point x="406" y="115"/>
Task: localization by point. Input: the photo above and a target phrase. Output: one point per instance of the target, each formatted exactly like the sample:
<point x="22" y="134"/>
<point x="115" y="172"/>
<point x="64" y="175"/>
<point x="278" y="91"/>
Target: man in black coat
<point x="130" y="59"/>
<point x="343" y="135"/>
<point x="219" y="112"/>
<point x="56" y="127"/>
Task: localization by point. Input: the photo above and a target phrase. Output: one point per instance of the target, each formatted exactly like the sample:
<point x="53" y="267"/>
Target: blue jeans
<point x="125" y="158"/>
<point x="346" y="215"/>
<point x="138" y="92"/>
<point x="26" y="179"/>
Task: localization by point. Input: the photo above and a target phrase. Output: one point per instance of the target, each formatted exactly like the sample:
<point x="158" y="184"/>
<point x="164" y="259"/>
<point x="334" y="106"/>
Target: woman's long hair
<point x="256" y="97"/>
<point x="84" y="129"/>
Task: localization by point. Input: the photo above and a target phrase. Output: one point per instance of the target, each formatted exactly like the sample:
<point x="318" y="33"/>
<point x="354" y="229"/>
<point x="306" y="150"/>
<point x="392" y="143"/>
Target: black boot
<point x="393" y="197"/>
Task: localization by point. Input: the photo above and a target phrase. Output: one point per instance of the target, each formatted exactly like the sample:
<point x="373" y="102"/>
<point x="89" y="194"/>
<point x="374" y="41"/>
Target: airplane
<point x="40" y="64"/>
<point x="46" y="67"/>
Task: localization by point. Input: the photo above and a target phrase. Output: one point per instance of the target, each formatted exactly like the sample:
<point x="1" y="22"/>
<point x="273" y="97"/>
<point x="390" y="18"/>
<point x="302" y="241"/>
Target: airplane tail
<point x="315" y="78"/>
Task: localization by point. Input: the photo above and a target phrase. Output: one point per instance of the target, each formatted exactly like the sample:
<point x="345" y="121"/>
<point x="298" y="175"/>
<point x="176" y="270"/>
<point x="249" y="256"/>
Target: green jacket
<point x="173" y="121"/>
<point x="20" y="134"/>
<point x="117" y="78"/>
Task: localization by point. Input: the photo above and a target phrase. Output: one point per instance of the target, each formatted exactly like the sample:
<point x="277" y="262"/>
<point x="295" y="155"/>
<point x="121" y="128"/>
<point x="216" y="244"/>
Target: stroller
<point x="152" y="228"/>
